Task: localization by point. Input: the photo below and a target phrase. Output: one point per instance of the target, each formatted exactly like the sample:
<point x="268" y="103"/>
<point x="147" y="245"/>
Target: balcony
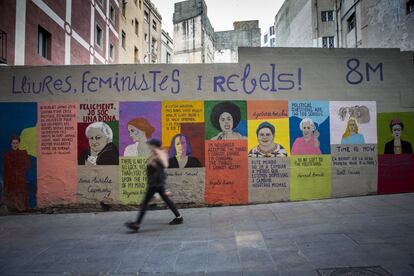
<point x="3" y="47"/>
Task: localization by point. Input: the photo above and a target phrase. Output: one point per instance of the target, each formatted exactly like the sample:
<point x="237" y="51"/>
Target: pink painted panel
<point x="57" y="147"/>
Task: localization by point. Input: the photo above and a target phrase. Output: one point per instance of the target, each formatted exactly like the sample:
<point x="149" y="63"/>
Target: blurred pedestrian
<point x="156" y="176"/>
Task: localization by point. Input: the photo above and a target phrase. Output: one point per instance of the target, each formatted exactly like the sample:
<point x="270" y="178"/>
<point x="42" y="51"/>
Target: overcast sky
<point x="222" y="13"/>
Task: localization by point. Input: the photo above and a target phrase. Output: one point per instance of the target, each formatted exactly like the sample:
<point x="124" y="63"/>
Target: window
<point x="154" y="25"/>
<point x="146" y="37"/>
<point x="136" y="55"/>
<point x="168" y="58"/>
<point x="265" y="38"/>
<point x="98" y="36"/>
<point x="326" y="16"/>
<point x="272" y="42"/>
<point x="154" y="46"/>
<point x="123" y="7"/>
<point x="409" y="6"/>
<point x="123" y="39"/>
<point x="44" y="39"/>
<point x="328" y="42"/>
<point x="111" y="51"/>
<point x="146" y="16"/>
<point x="136" y="27"/>
<point x="145" y="58"/>
<point x="272" y="30"/>
<point x="112" y="14"/>
<point x="351" y="22"/>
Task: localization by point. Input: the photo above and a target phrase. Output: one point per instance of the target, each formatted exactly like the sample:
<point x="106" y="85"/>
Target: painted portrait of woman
<point x="180" y="153"/>
<point x="140" y="131"/>
<point x="397" y="145"/>
<point x="267" y="146"/>
<point x="101" y="150"/>
<point x="351" y="135"/>
<point x="16" y="164"/>
<point x="225" y="117"/>
<point x="309" y="142"/>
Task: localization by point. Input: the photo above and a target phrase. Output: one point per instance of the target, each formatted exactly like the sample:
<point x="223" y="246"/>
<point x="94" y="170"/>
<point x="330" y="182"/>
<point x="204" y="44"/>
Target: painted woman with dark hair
<point x="397" y="145"/>
<point x="225" y="117"/>
<point x="16" y="164"/>
<point x="179" y="153"/>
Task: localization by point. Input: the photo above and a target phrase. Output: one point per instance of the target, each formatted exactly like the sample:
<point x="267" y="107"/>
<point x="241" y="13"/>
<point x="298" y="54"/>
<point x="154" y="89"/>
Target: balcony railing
<point x="3" y="47"/>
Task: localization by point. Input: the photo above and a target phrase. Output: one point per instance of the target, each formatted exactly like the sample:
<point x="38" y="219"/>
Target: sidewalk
<point x="294" y="238"/>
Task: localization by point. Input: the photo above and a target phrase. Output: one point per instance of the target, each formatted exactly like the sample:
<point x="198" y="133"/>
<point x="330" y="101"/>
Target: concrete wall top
<point x="382" y="75"/>
<point x="246" y="25"/>
<point x="188" y="9"/>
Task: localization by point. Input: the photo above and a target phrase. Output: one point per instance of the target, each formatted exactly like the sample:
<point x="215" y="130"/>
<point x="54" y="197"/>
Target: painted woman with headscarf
<point x="267" y="147"/>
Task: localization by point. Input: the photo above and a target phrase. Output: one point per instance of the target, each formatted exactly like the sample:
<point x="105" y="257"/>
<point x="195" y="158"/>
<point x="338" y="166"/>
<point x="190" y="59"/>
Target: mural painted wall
<point x="395" y="152"/>
<point x="234" y="133"/>
<point x="18" y="159"/>
<point x="353" y="147"/>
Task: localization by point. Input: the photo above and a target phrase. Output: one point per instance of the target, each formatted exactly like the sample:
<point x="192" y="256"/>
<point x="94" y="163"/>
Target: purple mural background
<point x="151" y="111"/>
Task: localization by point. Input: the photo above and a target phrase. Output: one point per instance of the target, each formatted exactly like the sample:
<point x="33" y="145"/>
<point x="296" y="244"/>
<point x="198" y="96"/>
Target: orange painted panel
<point x="226" y="172"/>
<point x="57" y="147"/>
<point x="264" y="110"/>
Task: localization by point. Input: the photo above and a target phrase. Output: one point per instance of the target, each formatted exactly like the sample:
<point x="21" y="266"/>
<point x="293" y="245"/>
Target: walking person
<point x="156" y="176"/>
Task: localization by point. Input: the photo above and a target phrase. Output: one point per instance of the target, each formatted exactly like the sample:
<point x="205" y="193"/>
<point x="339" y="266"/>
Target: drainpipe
<point x="317" y="23"/>
<point x="337" y="10"/>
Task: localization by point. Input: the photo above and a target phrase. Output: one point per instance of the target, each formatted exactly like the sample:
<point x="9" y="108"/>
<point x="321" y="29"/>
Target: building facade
<point x="43" y="32"/>
<point x="193" y="33"/>
<point x="269" y="37"/>
<point x="131" y="37"/>
<point x="196" y="42"/>
<point x="152" y="33"/>
<point x="167" y="48"/>
<point x="380" y="23"/>
<point x="346" y="24"/>
<point x="306" y="23"/>
<point x="245" y="34"/>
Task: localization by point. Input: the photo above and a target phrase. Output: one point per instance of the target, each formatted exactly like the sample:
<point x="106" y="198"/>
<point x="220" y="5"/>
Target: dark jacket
<point x="109" y="155"/>
<point x="405" y="147"/>
<point x="192" y="162"/>
<point x="155" y="174"/>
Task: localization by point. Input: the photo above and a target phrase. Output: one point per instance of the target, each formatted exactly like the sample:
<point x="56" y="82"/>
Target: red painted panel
<point x="37" y="17"/>
<point x="226" y="172"/>
<point x="395" y="173"/>
<point x="195" y="134"/>
<point x="8" y="25"/>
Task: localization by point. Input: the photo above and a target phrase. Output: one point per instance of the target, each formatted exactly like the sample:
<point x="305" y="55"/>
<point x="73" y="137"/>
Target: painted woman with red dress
<point x="16" y="164"/>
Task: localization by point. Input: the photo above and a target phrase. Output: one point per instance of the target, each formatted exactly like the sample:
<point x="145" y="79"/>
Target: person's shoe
<point x="177" y="220"/>
<point x="132" y="225"/>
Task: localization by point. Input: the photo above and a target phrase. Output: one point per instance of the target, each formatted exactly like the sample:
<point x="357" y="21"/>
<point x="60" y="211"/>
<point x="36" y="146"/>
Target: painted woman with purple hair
<point x="179" y="153"/>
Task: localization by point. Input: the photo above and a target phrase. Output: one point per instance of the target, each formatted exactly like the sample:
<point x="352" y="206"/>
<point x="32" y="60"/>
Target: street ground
<point x="369" y="235"/>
